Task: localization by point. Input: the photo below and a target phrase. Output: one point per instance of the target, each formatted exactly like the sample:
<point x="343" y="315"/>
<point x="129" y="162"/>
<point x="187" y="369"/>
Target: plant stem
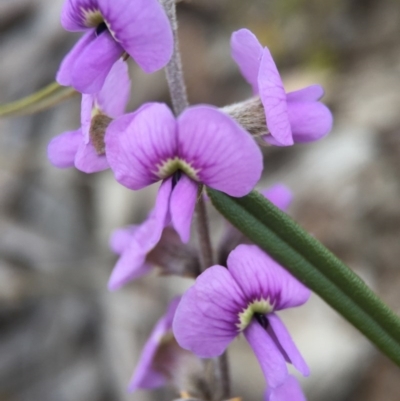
<point x="180" y="102"/>
<point x="173" y="70"/>
<point x="223" y="366"/>
<point x="203" y="230"/>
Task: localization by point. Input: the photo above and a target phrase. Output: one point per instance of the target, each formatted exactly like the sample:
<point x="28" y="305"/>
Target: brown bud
<point x="97" y="130"/>
<point x="250" y="115"/>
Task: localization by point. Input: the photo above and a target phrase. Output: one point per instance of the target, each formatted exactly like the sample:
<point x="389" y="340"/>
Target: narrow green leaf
<point x="314" y="265"/>
<point x="44" y="99"/>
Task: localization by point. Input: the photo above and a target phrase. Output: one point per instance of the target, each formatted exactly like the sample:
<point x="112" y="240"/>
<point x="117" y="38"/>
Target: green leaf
<point x="314" y="265"/>
<point x="44" y="99"/>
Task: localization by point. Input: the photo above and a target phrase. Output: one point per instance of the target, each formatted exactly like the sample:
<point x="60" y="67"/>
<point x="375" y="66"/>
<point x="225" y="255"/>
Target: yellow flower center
<point x="168" y="167"/>
<point x="262" y="306"/>
<point x="93" y="18"/>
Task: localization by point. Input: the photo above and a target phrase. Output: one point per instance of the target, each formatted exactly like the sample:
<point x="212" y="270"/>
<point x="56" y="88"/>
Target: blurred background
<point x="63" y="336"/>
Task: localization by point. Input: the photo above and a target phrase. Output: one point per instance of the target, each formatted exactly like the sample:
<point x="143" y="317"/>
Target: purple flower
<point x="138" y="27"/>
<point x="148" y="374"/>
<point x="290" y="390"/>
<point x="136" y="242"/>
<point x="243" y="298"/>
<point x="201" y="146"/>
<point x="84" y="148"/>
<point x="294" y="117"/>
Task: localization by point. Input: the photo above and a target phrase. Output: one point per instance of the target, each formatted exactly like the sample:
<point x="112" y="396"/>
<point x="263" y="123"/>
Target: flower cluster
<point x="203" y="146"/>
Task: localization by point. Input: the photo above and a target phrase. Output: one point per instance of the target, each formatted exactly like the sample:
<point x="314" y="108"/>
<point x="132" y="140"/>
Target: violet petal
<point x="137" y="145"/>
<point x="259" y="276"/>
<point x="273" y="98"/>
<point x="114" y="95"/>
<point x="62" y="149"/>
<point x="64" y="73"/>
<point x="206" y="318"/>
<point x="145" y="376"/>
<point x="88" y="160"/>
<point x="270" y="359"/>
<point x="278" y="330"/>
<point x="132" y="263"/>
<point x="143" y="30"/>
<point x="247" y="51"/>
<point x="280" y="195"/>
<point x="310" y="121"/>
<point x="182" y="204"/>
<point x="289" y="390"/>
<point x="93" y="64"/>
<point x="224" y="154"/>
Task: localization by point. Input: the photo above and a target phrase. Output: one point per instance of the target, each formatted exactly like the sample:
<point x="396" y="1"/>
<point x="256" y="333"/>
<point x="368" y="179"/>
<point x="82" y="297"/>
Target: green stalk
<point x="314" y="265"/>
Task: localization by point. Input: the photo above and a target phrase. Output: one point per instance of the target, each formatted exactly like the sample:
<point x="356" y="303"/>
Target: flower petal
<point x="289" y="390"/>
<point x="145" y="376"/>
<point x="143" y="30"/>
<point x="283" y="340"/>
<point x="64" y="72"/>
<point x="137" y="143"/>
<point x="121" y="238"/>
<point x="92" y="66"/>
<point x="183" y="202"/>
<point x="226" y="156"/>
<point x="88" y="160"/>
<point x="280" y="195"/>
<point x="247" y="51"/>
<point x="114" y="95"/>
<point x="308" y="94"/>
<point x="273" y="98"/>
<point x="132" y="263"/>
<point x="62" y="149"/>
<point x="310" y="121"/>
<point x="206" y="318"/>
<point x="269" y="357"/>
<point x="259" y="276"/>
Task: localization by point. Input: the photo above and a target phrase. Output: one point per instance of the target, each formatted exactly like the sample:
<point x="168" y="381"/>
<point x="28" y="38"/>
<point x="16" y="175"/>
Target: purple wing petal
<point x="280" y="195"/>
<point x="260" y="276"/>
<point x="142" y="28"/>
<point x="310" y="121"/>
<point x="283" y="340"/>
<point x="62" y="149"/>
<point x="309" y="94"/>
<point x="269" y="357"/>
<point x="227" y="157"/>
<point x="88" y="160"/>
<point x="114" y="95"/>
<point x="183" y="202"/>
<point x="92" y="66"/>
<point x="273" y="98"/>
<point x="121" y="238"/>
<point x="247" y="51"/>
<point x="64" y="74"/>
<point x="137" y="143"/>
<point x="206" y="318"/>
<point x="145" y="376"/>
<point x="290" y="390"/>
<point x="131" y="265"/>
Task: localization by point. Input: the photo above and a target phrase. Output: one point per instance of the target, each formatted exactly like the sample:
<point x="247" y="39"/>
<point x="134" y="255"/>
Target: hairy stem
<point x="203" y="230"/>
<point x="223" y="367"/>
<point x="173" y="70"/>
<point x="180" y="102"/>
